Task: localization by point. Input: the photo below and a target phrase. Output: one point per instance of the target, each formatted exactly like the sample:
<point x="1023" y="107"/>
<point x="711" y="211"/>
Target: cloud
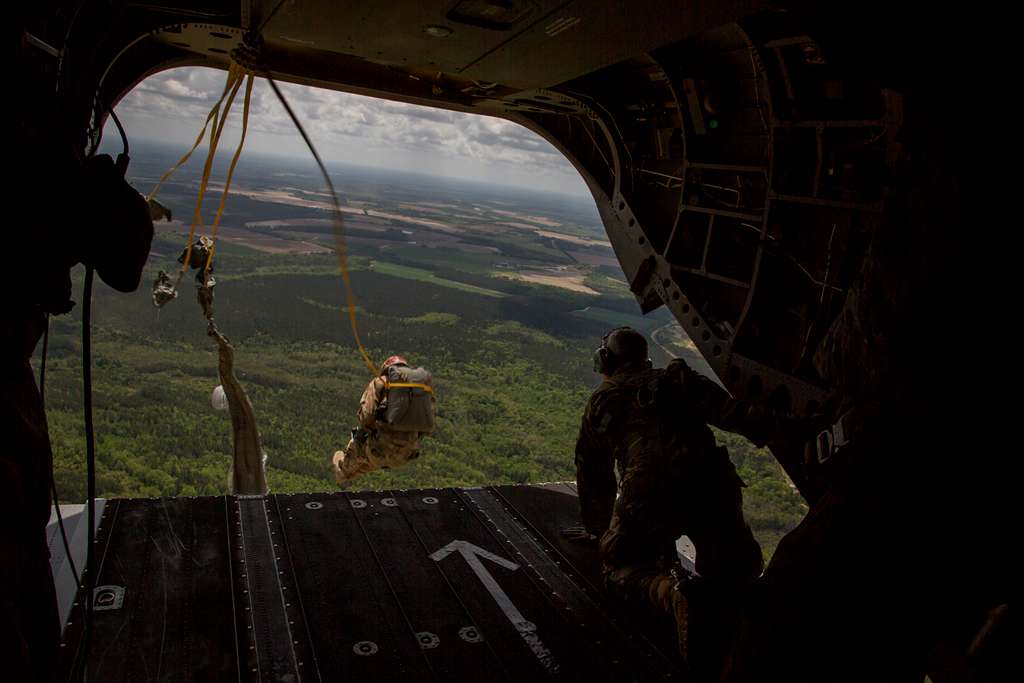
<point x="344" y="121"/>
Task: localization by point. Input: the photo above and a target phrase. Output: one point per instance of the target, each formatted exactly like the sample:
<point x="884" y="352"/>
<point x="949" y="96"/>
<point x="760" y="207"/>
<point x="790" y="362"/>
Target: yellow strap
<point x="350" y="300"/>
<point x="338" y="228"/>
<point x="231" y="171"/>
<point x="235" y="82"/>
<point x="425" y="387"/>
<point x="212" y="116"/>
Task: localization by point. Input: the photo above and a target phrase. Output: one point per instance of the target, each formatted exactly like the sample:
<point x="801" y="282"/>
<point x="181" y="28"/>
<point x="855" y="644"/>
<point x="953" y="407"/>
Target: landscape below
<point x="501" y="293"/>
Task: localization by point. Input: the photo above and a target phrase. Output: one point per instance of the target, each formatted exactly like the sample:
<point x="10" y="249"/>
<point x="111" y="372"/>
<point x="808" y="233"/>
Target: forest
<point x="511" y="361"/>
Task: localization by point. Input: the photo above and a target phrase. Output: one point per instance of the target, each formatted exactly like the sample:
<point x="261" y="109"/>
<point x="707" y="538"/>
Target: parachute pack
<point x="408" y="404"/>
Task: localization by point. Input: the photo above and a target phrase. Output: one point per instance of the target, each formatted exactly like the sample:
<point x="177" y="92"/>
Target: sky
<point x="171" y="107"/>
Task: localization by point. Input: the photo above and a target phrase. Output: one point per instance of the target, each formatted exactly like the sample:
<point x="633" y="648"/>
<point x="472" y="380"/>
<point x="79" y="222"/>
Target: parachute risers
<point x="408" y="404"/>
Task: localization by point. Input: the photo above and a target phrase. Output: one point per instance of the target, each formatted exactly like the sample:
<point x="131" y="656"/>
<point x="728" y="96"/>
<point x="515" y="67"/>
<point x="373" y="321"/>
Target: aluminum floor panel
<point x="356" y="627"/>
<point x="437" y="618"/>
<point x="546" y="509"/>
<point x="426" y="585"/>
<point x="175" y="619"/>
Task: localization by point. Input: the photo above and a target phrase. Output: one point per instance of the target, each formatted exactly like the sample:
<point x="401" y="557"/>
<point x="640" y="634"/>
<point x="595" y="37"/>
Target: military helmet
<point x="620" y="348"/>
<point x="393" y="360"/>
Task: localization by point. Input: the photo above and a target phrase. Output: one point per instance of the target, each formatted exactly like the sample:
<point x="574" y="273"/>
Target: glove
<point x="578" y="534"/>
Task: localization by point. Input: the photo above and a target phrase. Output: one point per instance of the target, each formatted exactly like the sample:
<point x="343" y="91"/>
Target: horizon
<point x="111" y="144"/>
<point x="169" y="108"/>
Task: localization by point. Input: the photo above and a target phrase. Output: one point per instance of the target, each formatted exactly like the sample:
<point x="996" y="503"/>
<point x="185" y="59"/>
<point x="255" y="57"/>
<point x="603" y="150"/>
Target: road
<point x="654" y="338"/>
<point x="693" y="358"/>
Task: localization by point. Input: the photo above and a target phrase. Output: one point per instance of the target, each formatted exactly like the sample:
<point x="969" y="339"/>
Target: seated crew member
<point x="397" y="409"/>
<point x="652" y="424"/>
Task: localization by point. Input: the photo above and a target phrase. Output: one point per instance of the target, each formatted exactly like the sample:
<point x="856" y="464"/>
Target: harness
<point x="407" y="385"/>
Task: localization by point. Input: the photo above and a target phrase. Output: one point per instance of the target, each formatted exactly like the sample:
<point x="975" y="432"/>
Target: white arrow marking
<point x="527" y="629"/>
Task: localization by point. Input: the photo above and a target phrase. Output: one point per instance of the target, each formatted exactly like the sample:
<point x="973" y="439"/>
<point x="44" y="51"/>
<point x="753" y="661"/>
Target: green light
<point x="712" y="124"/>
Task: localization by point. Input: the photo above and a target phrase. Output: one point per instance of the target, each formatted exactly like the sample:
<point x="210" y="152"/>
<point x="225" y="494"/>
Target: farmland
<point x="501" y="294"/>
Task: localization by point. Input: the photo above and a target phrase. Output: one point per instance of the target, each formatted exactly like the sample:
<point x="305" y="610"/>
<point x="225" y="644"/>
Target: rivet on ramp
<point x="365" y="648"/>
<point x="314" y="505"/>
<point x="430" y="500"/>
<point x="357" y="504"/>
<point x="427" y="640"/>
<point x="388" y="502"/>
<point x="470" y="634"/>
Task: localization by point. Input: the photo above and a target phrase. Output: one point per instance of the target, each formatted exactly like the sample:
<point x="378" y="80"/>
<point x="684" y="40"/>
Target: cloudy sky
<point x="171" y="107"/>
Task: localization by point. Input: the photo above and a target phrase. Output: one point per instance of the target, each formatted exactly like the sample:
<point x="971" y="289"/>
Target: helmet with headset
<point x="622" y="347"/>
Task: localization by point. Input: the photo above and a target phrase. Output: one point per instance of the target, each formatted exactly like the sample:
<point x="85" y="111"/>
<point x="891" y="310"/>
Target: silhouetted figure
<point x="652" y="425"/>
<point x="68" y="211"/>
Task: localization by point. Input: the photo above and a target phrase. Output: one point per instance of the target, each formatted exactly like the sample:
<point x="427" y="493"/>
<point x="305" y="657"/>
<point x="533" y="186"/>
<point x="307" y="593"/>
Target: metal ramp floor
<point x="425" y="585"/>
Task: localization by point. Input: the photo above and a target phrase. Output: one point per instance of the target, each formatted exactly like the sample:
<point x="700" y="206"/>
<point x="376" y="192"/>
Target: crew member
<point x="397" y="410"/>
<point x="652" y="424"/>
<point x="99" y="220"/>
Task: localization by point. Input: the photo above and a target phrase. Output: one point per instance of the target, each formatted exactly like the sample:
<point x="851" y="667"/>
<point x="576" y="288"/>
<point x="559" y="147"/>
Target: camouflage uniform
<point x="382" y="449"/>
<point x="673" y="480"/>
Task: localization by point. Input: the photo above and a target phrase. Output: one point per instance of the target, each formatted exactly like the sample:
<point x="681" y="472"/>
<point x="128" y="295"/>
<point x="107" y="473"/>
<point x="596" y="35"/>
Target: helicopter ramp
<point x="425" y="585"/>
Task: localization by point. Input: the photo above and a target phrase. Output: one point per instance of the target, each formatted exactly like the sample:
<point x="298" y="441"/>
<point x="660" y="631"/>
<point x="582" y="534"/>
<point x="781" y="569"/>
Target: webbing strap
<point x="425" y="387"/>
<point x="234" y="82"/>
<point x="231" y="171"/>
<point x="338" y="223"/>
<point x="212" y="116"/>
<point x="236" y="73"/>
<point x="350" y="300"/>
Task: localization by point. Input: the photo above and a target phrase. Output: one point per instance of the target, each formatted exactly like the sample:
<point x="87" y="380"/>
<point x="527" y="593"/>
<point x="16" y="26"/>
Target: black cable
<point x="89" y="575"/>
<point x="309" y="143"/>
<point x="53" y="481"/>
<point x="88" y="582"/>
<point x="338" y="222"/>
<point x="120" y="129"/>
<point x="64" y="47"/>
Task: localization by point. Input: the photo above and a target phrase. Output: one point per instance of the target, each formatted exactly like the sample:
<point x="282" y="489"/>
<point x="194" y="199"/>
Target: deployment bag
<point x="408" y="404"/>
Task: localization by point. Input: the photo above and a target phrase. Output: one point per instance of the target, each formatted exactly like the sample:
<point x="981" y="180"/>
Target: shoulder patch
<point x="604" y="422"/>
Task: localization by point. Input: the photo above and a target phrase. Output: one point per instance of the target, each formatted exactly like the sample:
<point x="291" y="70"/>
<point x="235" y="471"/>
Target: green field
<point x="510" y="392"/>
<point x="421" y="275"/>
<point x="511" y="362"/>
<point x="481" y="264"/>
<point x="616" y="318"/>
